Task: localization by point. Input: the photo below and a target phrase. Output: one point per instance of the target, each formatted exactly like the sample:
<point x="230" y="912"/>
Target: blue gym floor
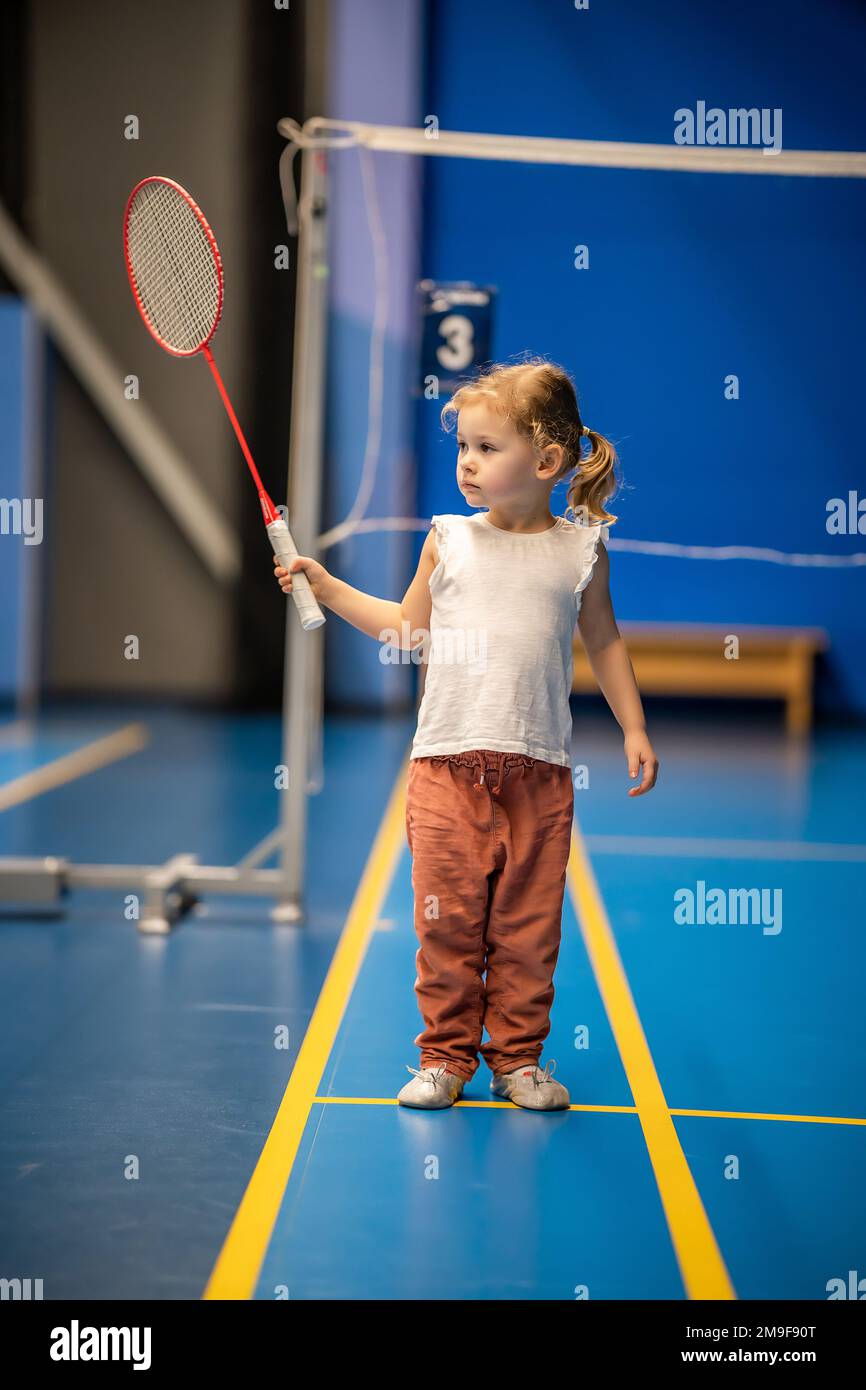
<point x="141" y="1076"/>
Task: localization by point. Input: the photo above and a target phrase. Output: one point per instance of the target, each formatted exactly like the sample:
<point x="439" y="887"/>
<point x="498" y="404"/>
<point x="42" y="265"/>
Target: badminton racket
<point x="175" y="271"/>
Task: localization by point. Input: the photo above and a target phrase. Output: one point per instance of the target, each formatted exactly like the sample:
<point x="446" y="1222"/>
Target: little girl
<point x="490" y="798"/>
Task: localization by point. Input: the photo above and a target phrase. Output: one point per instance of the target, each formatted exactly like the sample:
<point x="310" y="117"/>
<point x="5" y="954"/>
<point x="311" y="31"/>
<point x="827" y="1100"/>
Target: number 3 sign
<point x="456" y="326"/>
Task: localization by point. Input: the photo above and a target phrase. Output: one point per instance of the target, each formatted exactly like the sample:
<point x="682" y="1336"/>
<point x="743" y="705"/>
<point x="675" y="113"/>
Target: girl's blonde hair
<point x="539" y="400"/>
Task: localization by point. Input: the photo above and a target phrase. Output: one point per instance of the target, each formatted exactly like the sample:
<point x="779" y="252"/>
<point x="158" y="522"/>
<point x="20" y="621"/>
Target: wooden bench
<point x="775" y="663"/>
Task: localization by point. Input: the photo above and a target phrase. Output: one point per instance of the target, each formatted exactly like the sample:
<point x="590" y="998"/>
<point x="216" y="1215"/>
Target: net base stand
<point x="156" y="896"/>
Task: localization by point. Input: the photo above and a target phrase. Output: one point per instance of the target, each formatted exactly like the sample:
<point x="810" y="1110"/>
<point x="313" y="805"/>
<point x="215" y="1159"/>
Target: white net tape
<point x="174" y="266"/>
<point x="319" y="133"/>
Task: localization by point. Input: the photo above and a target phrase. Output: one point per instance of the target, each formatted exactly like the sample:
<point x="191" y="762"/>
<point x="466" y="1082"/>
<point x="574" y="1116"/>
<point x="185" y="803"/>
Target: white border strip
<point x="696" y="848"/>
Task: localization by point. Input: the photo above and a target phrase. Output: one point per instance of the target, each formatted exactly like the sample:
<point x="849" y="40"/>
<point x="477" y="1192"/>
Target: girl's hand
<point x="639" y="753"/>
<point x="317" y="575"/>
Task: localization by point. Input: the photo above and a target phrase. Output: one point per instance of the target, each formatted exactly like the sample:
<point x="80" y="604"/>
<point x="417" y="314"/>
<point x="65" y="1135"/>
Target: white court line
<point x="130" y="739"/>
<point x="725" y="849"/>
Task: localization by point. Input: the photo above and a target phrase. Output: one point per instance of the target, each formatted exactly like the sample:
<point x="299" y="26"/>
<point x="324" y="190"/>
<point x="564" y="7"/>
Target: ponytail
<point x="594" y="481"/>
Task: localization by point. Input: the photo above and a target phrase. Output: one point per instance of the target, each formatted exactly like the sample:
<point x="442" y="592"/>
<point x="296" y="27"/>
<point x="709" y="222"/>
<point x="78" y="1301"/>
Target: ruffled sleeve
<point x="593" y="534"/>
<point x="440" y="525"/>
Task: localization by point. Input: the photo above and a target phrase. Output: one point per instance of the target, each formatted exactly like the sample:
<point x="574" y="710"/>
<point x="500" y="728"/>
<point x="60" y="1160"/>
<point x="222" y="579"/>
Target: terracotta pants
<point x="489" y="835"/>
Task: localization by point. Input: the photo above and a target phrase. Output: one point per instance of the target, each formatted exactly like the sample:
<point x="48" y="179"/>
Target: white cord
<point x="664" y="548"/>
<point x="737" y="552"/>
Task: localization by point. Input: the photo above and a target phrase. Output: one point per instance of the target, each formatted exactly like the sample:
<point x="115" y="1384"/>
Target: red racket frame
<point x="193" y="205"/>
<point x="269" y="511"/>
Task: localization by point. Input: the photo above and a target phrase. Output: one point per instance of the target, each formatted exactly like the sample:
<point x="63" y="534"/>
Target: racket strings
<point x="174" y="265"/>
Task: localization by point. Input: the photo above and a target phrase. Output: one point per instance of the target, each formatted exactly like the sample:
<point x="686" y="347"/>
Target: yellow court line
<point x="237" y="1267"/>
<point x="609" y="1110"/>
<point x="701" y="1264"/>
<point x="130" y="739"/>
<point x="758" y="1115"/>
<point x="464" y="1104"/>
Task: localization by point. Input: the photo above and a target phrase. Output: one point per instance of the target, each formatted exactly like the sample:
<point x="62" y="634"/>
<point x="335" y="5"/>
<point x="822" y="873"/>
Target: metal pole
<point x="300" y="704"/>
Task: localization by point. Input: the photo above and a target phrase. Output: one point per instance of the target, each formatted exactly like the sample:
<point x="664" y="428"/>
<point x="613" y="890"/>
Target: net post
<point x="301" y="714"/>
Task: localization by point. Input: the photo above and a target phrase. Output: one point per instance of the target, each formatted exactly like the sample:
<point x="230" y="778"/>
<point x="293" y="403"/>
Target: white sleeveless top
<point x="500" y="660"/>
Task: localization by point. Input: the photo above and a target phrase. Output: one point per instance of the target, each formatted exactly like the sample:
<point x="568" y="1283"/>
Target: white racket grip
<point x="285" y="550"/>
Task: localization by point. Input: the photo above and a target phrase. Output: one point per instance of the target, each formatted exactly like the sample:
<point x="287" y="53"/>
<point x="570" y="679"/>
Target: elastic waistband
<point x="484" y="757"/>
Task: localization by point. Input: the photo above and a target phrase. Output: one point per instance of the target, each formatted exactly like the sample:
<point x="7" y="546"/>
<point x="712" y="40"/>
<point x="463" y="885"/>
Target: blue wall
<point x="691" y="277"/>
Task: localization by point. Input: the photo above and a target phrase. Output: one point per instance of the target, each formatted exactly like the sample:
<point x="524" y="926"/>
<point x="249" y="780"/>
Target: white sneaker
<point x="431" y="1088"/>
<point x="532" y="1088"/>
